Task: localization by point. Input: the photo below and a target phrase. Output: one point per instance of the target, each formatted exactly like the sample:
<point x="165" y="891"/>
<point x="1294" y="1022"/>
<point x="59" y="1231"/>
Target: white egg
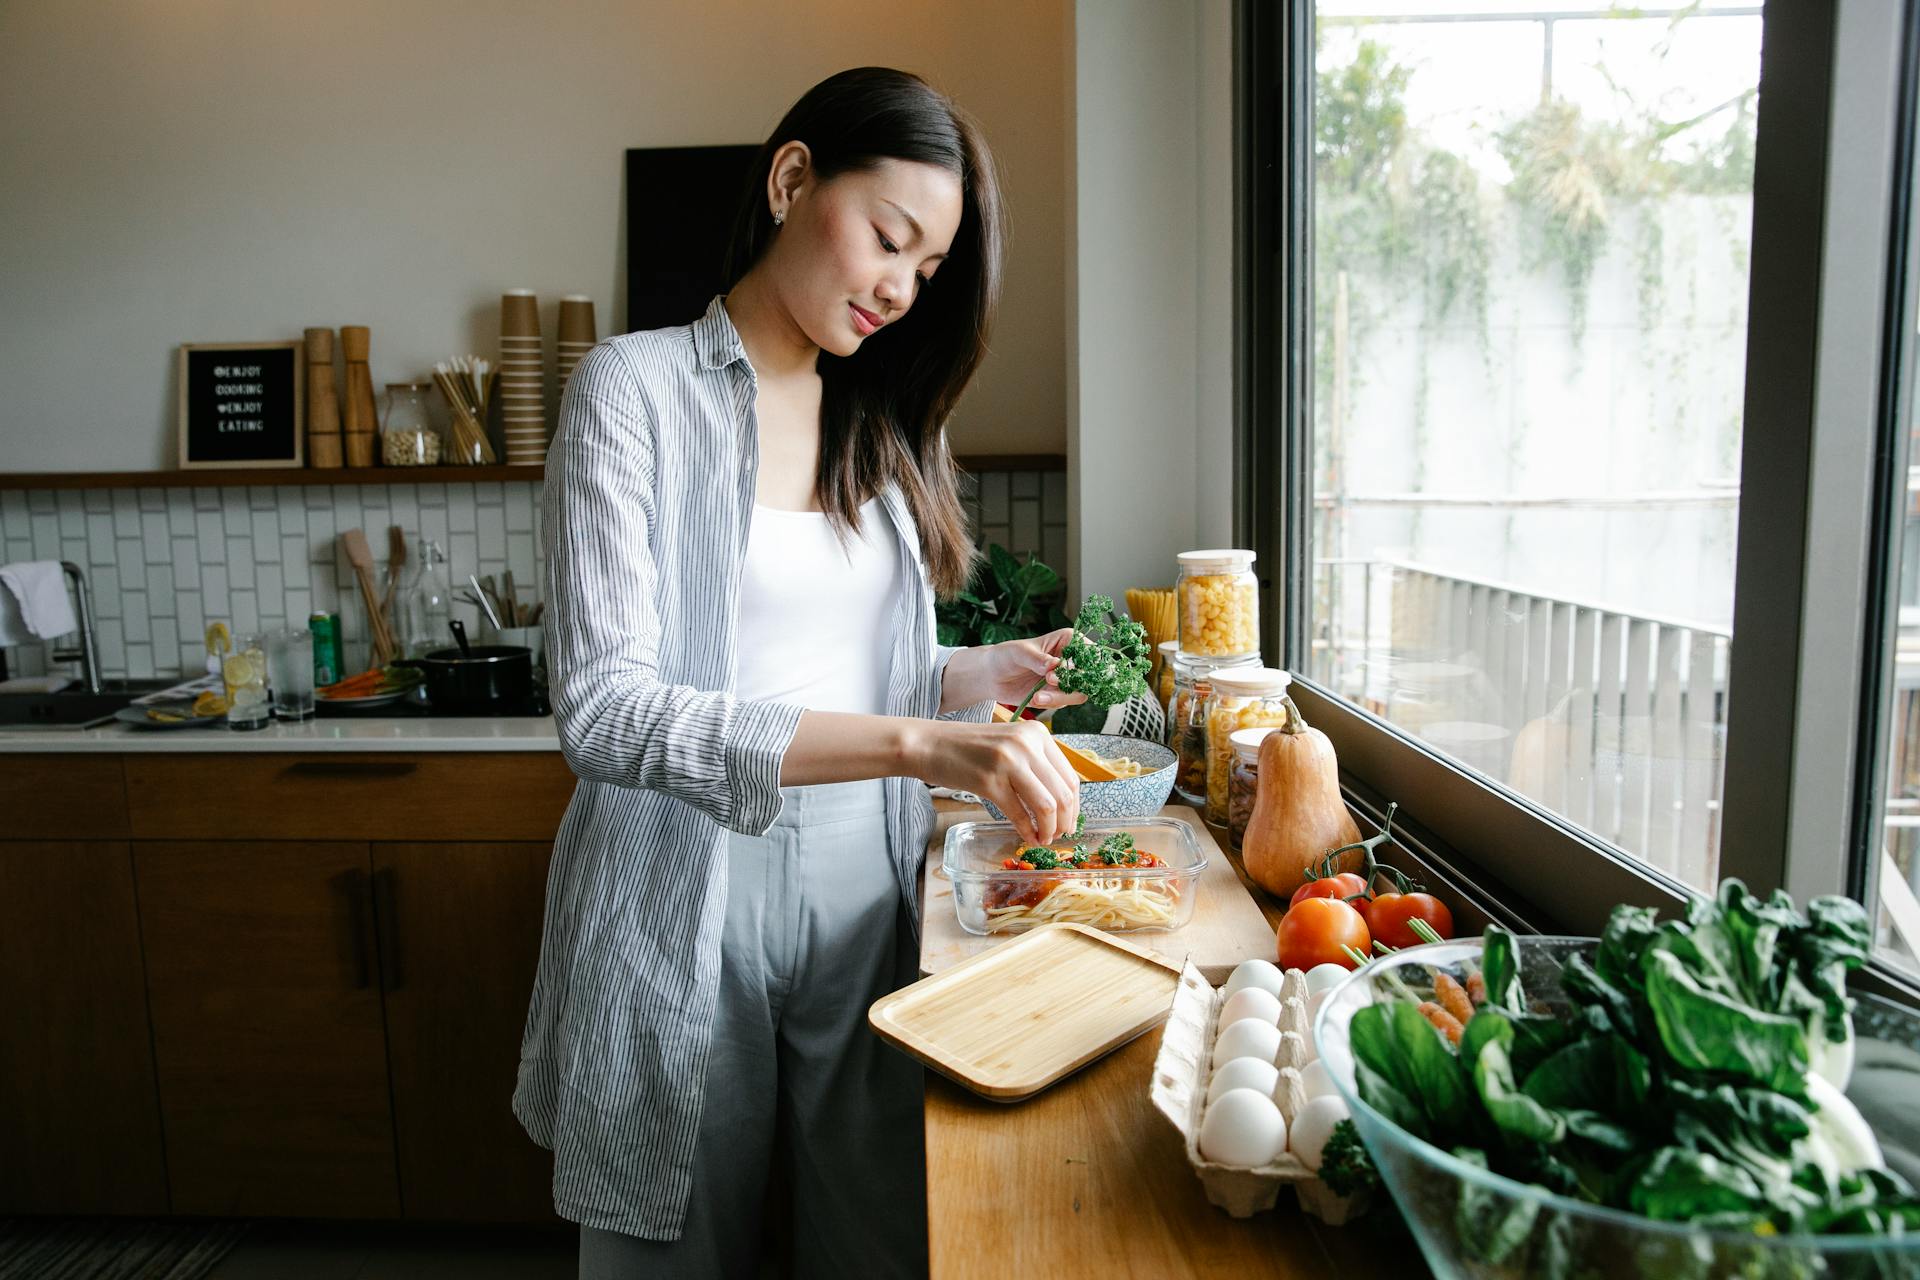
<point x="1323" y="976"/>
<point x="1255" y="973"/>
<point x="1313" y="1126"/>
<point x="1243" y="1073"/>
<point x="1318" y="1080"/>
<point x="1250" y="1002"/>
<point x="1243" y="1129"/>
<point x="1247" y="1038"/>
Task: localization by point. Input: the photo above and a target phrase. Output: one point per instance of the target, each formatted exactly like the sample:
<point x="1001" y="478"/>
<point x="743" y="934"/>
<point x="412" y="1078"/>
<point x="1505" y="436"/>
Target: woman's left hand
<point x="1014" y="665"/>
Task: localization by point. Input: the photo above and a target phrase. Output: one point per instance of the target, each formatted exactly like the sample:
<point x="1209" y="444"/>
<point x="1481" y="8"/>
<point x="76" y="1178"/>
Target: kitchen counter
<point x="1087" y="1179"/>
<point x="324" y="734"/>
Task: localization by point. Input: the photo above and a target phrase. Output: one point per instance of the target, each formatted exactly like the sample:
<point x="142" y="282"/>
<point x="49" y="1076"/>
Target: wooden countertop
<point x="1087" y="1179"/>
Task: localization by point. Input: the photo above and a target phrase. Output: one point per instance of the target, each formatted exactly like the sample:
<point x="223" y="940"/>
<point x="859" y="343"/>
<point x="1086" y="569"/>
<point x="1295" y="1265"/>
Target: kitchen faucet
<point x="87" y="655"/>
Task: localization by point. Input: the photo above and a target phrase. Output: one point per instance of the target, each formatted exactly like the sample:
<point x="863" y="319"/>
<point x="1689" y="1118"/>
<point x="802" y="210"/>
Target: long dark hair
<point x="884" y="409"/>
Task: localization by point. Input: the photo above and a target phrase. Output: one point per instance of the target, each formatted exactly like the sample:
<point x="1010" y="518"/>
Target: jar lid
<point x="1226" y="558"/>
<point x="1251" y="680"/>
<point x="1169" y="647"/>
<point x="1246" y="743"/>
<point x="1199" y="665"/>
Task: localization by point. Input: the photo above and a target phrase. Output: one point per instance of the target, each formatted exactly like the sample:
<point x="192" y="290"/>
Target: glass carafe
<point x="427" y="603"/>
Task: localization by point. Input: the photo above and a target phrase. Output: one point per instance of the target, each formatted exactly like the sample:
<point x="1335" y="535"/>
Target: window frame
<point x="1828" y="232"/>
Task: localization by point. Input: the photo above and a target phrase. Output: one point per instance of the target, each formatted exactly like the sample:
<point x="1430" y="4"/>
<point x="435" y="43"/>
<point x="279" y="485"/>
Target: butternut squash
<point x="1298" y="815"/>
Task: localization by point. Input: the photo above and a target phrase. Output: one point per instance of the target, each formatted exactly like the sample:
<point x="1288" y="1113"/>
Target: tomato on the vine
<point x="1343" y="886"/>
<point x="1314" y="931"/>
<point x="1388" y="918"/>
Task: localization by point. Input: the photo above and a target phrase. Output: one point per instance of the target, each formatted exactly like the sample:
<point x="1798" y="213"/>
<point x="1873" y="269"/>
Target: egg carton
<point x="1181" y="1072"/>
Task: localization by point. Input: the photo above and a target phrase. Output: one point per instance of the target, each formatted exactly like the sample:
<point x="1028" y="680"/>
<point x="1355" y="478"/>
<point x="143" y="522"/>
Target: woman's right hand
<point x="1017" y="766"/>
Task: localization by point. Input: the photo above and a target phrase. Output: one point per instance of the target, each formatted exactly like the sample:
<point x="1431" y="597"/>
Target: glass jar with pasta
<point x="1218" y="604"/>
<point x="1243" y="782"/>
<point x="1187" y="719"/>
<point x="1241" y="698"/>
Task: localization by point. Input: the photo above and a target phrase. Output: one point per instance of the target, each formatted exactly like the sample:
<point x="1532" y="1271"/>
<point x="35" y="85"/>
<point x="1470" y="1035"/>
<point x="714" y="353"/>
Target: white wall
<point x="1149" y="291"/>
<point x="201" y="172"/>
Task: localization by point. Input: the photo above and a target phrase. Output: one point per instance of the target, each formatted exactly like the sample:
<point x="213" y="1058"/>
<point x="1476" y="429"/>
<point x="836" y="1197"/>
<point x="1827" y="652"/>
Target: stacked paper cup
<point x="576" y="334"/>
<point x="523" y="386"/>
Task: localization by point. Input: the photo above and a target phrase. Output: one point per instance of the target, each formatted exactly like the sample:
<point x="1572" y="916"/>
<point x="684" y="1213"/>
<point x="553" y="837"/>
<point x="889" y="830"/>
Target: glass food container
<point x="1241" y="698"/>
<point x="1218" y="604"/>
<point x="1163" y="688"/>
<point x="1243" y="782"/>
<point x="408" y="437"/>
<point x="1453" y="1206"/>
<point x="991" y="899"/>
<point x="1187" y="721"/>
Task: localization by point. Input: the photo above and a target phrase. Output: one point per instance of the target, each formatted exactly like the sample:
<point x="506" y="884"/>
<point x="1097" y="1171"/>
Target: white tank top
<point x="816" y="617"/>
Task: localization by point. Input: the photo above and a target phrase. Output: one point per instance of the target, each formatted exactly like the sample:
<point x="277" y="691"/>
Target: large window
<point x="1529" y="266"/>
<point x="1572" y="334"/>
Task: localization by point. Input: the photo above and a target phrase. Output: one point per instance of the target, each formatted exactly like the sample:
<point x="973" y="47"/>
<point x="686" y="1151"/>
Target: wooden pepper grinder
<point x="323" y="404"/>
<point x="362" y="419"/>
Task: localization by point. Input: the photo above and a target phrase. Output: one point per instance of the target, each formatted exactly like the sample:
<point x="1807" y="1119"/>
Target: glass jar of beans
<point x="1243" y="782"/>
<point x="1187" y="719"/>
<point x="1241" y="698"/>
<point x="1218" y="604"/>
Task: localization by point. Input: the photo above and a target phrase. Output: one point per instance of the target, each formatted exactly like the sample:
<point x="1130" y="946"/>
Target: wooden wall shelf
<point x="264" y="475"/>
<point x="394" y="475"/>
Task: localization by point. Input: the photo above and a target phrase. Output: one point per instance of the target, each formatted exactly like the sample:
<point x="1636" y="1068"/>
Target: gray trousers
<point x="800" y="1094"/>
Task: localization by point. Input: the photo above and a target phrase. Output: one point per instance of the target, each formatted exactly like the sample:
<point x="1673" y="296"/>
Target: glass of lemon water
<point x="244" y="669"/>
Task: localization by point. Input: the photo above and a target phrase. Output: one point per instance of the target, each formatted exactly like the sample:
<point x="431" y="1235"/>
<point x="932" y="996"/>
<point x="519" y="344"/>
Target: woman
<point x="746" y="519"/>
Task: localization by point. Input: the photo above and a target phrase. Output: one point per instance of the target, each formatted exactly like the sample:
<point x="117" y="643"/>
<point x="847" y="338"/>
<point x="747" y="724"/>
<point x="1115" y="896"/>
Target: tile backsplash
<point x="163" y="562"/>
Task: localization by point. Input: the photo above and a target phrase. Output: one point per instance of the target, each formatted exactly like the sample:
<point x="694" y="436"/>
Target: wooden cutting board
<point x="1010" y="1022"/>
<point x="1227" y="926"/>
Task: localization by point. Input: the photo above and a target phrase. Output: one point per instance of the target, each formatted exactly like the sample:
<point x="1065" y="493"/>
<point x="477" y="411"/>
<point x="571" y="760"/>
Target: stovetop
<point x="407" y="709"/>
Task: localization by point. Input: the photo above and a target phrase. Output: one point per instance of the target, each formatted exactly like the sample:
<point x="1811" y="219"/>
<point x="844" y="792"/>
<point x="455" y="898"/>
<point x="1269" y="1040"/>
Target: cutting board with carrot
<point x="1227" y="925"/>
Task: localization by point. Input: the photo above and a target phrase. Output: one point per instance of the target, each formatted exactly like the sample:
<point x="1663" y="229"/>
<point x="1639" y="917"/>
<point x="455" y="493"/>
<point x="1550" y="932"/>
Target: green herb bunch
<point x="1117" y="850"/>
<point x="1105" y="657"/>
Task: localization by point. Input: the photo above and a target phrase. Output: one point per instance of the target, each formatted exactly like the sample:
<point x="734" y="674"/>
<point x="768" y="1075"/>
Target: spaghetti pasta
<point x="1106" y="902"/>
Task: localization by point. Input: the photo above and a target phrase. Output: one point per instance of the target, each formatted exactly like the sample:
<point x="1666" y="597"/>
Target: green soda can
<point x="326" y="647"/>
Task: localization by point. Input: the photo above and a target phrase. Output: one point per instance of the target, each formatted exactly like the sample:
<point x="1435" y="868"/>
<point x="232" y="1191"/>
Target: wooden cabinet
<point x="79" y="1122"/>
<point x="267" y="1028"/>
<point x="272" y="984"/>
<point x="459" y="926"/>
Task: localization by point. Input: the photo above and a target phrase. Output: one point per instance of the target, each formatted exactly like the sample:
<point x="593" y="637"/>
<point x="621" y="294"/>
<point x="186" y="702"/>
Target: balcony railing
<point x="1614" y="720"/>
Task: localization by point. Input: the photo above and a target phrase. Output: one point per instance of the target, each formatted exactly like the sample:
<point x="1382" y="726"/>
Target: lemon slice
<point x="239" y="670"/>
<point x="210" y="704"/>
<point x="164" y="717"/>
<point x="219" y="639"/>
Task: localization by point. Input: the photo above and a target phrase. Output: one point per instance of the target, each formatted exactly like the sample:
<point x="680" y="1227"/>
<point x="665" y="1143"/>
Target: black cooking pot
<point x="482" y="677"/>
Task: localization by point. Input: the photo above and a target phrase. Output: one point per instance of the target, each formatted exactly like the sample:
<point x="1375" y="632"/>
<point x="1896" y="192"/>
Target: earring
<point x="779" y="219"/>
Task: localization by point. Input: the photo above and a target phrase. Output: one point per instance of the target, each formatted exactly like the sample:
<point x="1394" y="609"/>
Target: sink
<point x="60" y="710"/>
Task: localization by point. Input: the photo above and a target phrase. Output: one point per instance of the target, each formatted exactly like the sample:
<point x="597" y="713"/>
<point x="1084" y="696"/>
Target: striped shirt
<point x="649" y="493"/>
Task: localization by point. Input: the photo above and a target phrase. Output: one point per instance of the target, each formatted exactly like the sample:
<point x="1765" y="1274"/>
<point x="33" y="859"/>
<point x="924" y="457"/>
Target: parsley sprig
<point x="1117" y="850"/>
<point x="1105" y="657"/>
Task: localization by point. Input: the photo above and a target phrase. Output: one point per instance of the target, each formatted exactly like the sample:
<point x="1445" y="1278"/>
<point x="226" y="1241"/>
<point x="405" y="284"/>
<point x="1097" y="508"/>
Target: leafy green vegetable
<point x="1042" y="858"/>
<point x="1686" y="1082"/>
<point x="1345" y="1165"/>
<point x="1500" y="966"/>
<point x="1105" y="657"/>
<point x="1490" y="1227"/>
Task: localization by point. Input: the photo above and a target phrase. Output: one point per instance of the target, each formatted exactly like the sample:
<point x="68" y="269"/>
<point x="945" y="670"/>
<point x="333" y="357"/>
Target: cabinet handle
<point x="386" y="924"/>
<point x="352" y="886"/>
<point x="350" y="768"/>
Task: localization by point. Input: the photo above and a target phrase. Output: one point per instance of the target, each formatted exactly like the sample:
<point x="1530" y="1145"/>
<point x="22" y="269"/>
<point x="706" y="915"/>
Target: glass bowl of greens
<point x="1695" y="1098"/>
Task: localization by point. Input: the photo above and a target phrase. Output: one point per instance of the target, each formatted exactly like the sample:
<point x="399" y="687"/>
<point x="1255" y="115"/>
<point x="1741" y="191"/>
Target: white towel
<point x="39" y="605"/>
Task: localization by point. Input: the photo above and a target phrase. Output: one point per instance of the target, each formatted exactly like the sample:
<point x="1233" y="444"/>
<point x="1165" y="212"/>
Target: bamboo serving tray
<point x="1037" y="1007"/>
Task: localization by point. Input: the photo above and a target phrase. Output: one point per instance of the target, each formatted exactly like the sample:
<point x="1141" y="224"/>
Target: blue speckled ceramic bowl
<point x="1142" y="796"/>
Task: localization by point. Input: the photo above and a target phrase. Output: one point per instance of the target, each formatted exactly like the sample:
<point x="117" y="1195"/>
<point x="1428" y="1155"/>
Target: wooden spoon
<point x="1084" y="763"/>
